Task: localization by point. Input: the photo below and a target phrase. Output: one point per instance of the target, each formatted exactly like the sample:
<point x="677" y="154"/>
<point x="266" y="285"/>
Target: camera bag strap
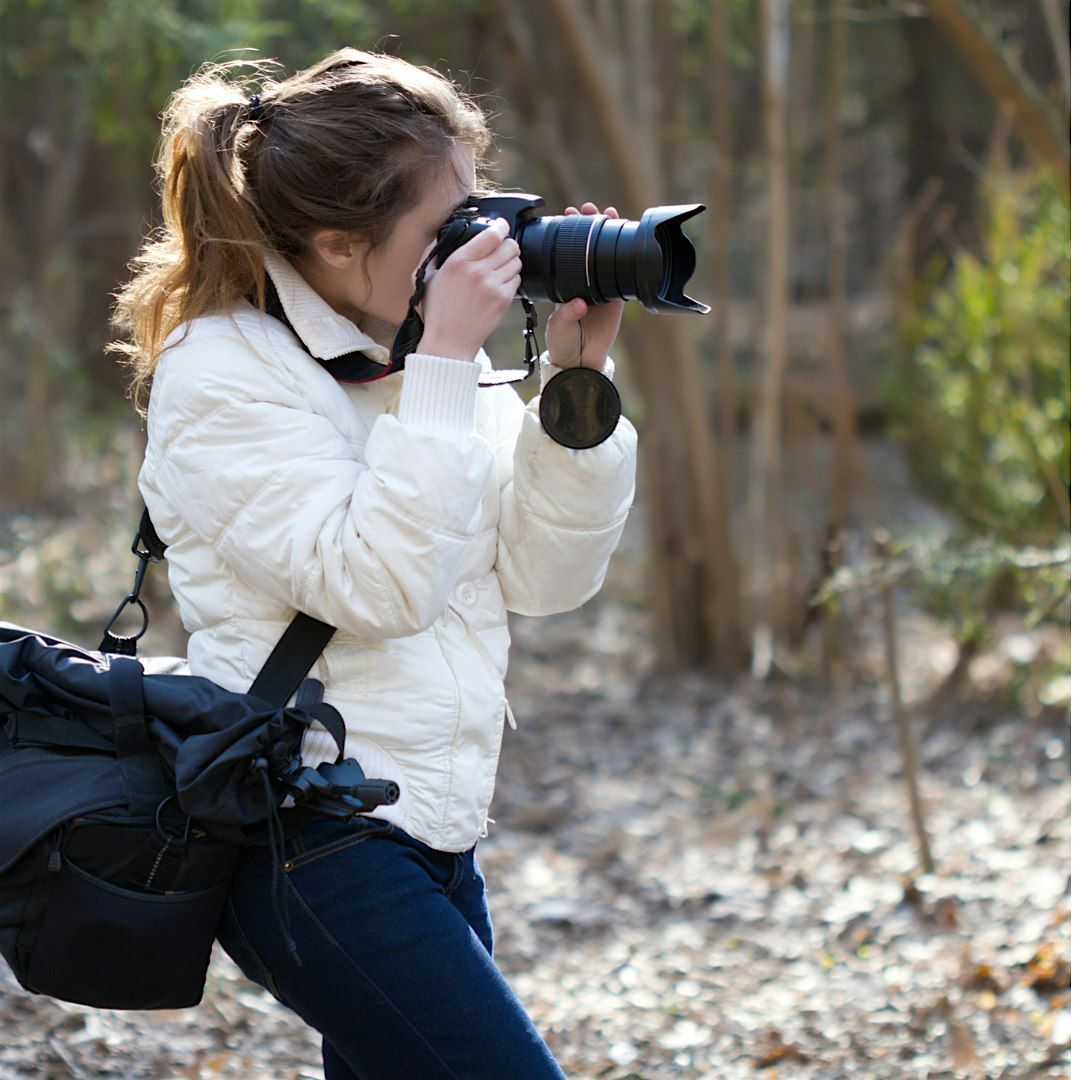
<point x="289" y="661"/>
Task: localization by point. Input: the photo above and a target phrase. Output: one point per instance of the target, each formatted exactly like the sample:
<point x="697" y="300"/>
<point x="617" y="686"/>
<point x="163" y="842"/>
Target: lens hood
<point x="664" y="259"/>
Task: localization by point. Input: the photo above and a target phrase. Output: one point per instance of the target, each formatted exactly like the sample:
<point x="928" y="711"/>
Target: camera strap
<point x="350" y="367"/>
<point x="412" y="329"/>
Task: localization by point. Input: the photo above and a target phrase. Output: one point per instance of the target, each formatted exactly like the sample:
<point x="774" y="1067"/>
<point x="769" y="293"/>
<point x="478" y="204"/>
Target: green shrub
<point x="980" y="391"/>
<point x="980" y="395"/>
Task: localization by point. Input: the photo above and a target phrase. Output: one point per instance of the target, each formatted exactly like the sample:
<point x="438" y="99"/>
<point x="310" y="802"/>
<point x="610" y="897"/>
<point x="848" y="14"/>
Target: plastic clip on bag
<point x="126" y="790"/>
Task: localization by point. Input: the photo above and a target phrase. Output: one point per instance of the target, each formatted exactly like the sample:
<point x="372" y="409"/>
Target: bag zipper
<point x="154" y="869"/>
<point x="55" y="861"/>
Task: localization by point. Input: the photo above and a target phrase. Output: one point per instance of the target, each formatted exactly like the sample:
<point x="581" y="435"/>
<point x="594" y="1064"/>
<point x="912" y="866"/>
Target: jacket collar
<point x="322" y="331"/>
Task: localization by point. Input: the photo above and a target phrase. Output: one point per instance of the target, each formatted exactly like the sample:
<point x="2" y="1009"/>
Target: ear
<point x="334" y="248"/>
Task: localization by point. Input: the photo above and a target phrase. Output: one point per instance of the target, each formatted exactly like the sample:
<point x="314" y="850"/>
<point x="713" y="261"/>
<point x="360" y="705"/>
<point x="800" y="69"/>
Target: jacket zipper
<point x="485" y="657"/>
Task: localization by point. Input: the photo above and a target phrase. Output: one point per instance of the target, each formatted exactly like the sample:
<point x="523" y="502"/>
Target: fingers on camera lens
<point x="510" y="272"/>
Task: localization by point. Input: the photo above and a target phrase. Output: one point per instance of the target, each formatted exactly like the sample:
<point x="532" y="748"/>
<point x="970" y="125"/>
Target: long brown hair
<point x="349" y="144"/>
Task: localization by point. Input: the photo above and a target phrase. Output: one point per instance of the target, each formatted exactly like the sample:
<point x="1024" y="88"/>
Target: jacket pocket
<point x="496" y="668"/>
<point x="489" y="785"/>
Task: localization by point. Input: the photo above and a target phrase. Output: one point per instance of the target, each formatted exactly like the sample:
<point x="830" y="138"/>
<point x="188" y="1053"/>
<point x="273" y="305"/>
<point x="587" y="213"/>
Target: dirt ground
<point x="699" y="880"/>
<point x="696" y="878"/>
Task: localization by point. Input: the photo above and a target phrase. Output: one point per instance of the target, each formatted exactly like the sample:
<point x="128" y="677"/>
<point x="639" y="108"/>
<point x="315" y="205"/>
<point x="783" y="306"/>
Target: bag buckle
<point x="125" y="646"/>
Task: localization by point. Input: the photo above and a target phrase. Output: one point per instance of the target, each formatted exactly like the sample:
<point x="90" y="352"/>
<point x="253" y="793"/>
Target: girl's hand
<point x="566" y="324"/>
<point x="466" y="298"/>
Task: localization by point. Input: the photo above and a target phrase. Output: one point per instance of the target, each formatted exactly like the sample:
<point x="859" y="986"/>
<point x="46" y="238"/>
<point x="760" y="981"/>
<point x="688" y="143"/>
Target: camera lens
<point x="604" y="259"/>
<point x="580" y="255"/>
<point x="596" y="257"/>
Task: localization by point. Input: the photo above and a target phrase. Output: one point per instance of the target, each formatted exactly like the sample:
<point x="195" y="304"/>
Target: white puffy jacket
<point x="411" y="512"/>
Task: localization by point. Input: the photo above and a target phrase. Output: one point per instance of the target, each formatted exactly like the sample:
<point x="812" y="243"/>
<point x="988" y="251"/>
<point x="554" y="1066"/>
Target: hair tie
<point x="255" y="109"/>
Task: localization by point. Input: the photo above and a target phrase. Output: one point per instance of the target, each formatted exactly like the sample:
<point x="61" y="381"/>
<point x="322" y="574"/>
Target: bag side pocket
<point x="109" y="947"/>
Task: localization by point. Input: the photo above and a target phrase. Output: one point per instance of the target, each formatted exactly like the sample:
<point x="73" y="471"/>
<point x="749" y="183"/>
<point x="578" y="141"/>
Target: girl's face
<point x="380" y="307"/>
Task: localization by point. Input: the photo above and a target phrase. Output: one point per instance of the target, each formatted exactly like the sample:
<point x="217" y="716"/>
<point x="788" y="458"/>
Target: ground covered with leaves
<point x="690" y="878"/>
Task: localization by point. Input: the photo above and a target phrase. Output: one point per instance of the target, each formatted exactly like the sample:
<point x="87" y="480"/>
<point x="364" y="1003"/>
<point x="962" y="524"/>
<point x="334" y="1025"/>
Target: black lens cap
<point x="579" y="407"/>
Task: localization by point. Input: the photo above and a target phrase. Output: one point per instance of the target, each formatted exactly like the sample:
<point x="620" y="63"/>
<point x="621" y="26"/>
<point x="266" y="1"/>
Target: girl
<point x="410" y="511"/>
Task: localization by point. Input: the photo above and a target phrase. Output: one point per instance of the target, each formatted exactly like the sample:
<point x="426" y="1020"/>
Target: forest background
<point x="854" y="509"/>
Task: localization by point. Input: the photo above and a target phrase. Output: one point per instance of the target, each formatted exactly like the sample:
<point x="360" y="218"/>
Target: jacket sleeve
<point x="561" y="511"/>
<point x="372" y="543"/>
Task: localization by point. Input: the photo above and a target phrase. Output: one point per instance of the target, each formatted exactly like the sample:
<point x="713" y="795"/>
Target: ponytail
<point x="348" y="143"/>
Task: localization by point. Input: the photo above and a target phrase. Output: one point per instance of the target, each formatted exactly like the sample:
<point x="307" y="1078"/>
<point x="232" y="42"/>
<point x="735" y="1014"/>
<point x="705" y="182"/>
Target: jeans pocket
<point x="327" y="836"/>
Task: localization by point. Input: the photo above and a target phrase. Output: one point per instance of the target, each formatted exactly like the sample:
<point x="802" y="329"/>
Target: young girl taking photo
<point x="410" y="511"/>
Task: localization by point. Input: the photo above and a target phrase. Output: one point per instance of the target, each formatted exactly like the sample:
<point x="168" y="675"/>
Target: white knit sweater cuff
<point x="439" y="392"/>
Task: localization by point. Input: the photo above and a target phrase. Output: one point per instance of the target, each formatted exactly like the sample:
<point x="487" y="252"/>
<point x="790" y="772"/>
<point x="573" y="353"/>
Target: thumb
<point x="573" y="309"/>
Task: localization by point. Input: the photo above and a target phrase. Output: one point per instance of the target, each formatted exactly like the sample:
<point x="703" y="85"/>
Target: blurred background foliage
<point x="925" y="277"/>
<point x="981" y="394"/>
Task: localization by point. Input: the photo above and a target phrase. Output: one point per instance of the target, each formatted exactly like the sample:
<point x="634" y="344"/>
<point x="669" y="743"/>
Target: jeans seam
<point x="344" y="952"/>
<point x="263" y="969"/>
<point x="457" y="877"/>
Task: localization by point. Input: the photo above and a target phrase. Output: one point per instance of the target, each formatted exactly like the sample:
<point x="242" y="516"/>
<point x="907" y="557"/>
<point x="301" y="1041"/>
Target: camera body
<point x="588" y="255"/>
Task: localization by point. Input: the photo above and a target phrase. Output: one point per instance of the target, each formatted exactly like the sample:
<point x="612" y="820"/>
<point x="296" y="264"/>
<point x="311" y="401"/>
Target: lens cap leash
<point x="579" y="407"/>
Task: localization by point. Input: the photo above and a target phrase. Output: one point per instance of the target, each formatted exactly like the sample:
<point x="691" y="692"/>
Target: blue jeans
<point x="396" y="944"/>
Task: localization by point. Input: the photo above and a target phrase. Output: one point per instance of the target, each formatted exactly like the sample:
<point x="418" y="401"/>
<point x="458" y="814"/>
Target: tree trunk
<point x="521" y="72"/>
<point x="731" y="645"/>
<point x="671" y="132"/>
<point x="641" y="57"/>
<point x="52" y="295"/>
<point x="657" y="53"/>
<point x="664" y="366"/>
<point x="770" y="578"/>
<point x="845" y="460"/>
<point x="1007" y="85"/>
<point x="1059" y="41"/>
<point x="909" y="748"/>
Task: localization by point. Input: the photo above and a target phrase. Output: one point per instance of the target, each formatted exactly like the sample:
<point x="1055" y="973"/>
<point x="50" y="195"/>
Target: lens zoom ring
<point x="571" y="246"/>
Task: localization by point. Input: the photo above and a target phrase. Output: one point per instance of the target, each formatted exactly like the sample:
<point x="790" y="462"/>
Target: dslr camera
<point x="588" y="255"/>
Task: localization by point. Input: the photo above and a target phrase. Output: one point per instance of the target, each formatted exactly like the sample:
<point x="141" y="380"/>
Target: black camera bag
<point x="126" y="790"/>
